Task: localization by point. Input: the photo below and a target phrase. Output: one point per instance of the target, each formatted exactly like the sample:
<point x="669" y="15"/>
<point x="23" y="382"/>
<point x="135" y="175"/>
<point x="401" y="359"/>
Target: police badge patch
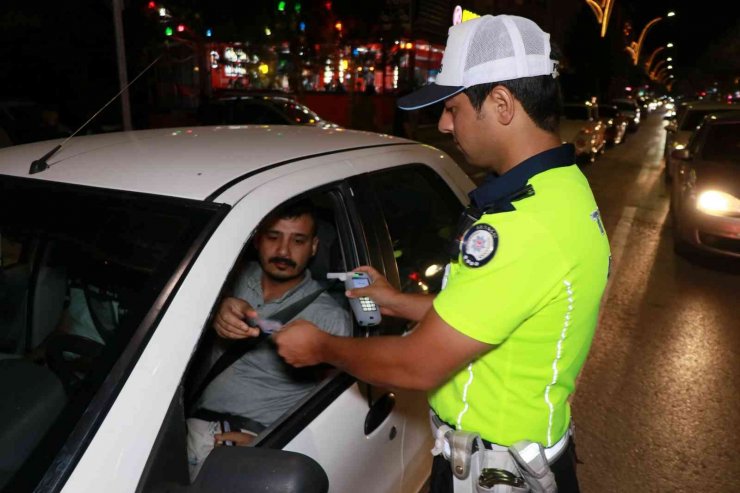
<point x="479" y="245"/>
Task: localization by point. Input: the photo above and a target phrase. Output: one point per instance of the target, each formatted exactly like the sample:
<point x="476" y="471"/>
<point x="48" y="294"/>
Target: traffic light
<point x="297" y="7"/>
<point x="338" y="26"/>
<point x="281" y="6"/>
<point x="168" y="31"/>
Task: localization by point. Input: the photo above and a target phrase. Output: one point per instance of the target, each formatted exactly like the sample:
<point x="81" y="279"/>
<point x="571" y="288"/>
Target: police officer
<point x="499" y="348"/>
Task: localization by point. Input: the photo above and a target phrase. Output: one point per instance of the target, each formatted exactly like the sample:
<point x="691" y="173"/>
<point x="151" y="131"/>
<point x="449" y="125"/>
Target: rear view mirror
<point x="241" y="469"/>
<point x="680" y="154"/>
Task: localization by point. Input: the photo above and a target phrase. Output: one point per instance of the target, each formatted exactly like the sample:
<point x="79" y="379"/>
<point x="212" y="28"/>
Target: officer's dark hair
<point x="292" y="210"/>
<point x="540" y="96"/>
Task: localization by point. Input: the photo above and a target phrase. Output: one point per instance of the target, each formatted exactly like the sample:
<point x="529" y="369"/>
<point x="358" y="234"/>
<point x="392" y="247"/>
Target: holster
<point x="521" y="468"/>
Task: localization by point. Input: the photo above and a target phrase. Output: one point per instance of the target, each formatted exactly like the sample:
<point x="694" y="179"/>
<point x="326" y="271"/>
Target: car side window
<point x="421" y="212"/>
<point x="76" y="284"/>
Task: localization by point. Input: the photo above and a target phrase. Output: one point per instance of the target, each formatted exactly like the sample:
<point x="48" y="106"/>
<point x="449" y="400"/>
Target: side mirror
<point x="680" y="154"/>
<point x="240" y="469"/>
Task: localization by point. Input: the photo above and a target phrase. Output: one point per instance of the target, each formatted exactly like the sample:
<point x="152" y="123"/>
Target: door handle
<point x="379" y="411"/>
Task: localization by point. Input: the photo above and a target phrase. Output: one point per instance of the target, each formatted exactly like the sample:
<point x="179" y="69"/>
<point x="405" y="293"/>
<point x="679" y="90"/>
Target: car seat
<point x="47" y="292"/>
<point x="13" y="296"/>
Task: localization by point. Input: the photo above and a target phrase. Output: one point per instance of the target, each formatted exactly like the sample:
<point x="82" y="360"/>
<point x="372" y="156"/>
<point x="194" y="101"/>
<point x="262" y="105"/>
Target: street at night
<point x="298" y="245"/>
<point x="657" y="400"/>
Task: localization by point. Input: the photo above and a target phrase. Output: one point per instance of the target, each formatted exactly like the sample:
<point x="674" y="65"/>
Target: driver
<point x="259" y="387"/>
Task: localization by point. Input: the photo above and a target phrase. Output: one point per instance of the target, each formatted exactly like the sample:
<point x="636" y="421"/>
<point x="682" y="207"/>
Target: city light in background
<point x="602" y="10"/>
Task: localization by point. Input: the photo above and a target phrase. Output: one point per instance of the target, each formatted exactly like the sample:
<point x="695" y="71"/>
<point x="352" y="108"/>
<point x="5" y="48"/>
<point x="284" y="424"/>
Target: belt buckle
<point x="490" y="477"/>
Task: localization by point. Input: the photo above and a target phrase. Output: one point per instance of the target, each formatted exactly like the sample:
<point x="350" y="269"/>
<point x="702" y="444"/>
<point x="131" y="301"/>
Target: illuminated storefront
<point x="368" y="67"/>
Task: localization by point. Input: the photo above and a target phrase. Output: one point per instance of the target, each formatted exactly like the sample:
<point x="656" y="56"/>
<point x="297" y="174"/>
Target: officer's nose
<point x="445" y="122"/>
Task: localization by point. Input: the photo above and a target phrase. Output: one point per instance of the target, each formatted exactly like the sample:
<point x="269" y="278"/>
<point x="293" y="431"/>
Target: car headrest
<point x="48" y="290"/>
<point x="328" y="256"/>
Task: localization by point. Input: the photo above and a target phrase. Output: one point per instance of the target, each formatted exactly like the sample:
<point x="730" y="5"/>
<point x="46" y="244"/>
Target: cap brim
<point x="429" y="94"/>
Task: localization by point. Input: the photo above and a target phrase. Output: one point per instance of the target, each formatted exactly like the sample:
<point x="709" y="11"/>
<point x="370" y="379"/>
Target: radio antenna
<point x="40" y="165"/>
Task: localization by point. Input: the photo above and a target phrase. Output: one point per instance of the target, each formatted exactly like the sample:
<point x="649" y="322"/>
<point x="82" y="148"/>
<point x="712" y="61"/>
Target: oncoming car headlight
<point x="718" y="203"/>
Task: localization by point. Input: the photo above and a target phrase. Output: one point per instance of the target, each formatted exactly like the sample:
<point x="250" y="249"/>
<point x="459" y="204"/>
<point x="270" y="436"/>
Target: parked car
<point x="28" y="121"/>
<point x="581" y="126"/>
<point x="688" y="116"/>
<point x="147" y="228"/>
<point x="631" y="109"/>
<point x="258" y="109"/>
<point x="616" y="124"/>
<point x="705" y="199"/>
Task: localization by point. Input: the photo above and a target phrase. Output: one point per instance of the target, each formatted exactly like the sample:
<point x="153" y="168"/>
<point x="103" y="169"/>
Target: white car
<point x="689" y="117"/>
<point x="581" y="126"/>
<point x="630" y="108"/>
<point x="114" y="255"/>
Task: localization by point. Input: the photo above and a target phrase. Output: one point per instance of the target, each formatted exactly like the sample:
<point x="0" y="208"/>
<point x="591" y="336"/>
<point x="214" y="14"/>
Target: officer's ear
<point x="501" y="102"/>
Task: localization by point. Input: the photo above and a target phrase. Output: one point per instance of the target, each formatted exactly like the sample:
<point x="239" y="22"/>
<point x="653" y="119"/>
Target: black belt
<point x="235" y="422"/>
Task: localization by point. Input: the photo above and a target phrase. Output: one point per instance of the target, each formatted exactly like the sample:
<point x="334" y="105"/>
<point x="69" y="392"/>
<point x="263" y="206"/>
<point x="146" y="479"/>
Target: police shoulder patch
<point x="479" y="245"/>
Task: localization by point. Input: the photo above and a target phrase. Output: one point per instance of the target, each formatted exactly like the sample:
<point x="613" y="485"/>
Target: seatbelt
<point x="238" y="348"/>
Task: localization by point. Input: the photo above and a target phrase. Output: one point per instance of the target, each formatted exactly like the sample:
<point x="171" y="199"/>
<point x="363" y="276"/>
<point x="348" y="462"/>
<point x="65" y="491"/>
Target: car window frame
<point x="356" y="246"/>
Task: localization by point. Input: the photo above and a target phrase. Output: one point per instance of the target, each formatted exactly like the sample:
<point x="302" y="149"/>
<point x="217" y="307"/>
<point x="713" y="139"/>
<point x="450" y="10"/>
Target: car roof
<point x="253" y="97"/>
<point x="623" y="100"/>
<point x="711" y="105"/>
<point x="189" y="162"/>
<point x="722" y="117"/>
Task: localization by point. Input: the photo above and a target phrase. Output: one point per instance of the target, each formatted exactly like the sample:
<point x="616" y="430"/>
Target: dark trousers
<point x="564" y="469"/>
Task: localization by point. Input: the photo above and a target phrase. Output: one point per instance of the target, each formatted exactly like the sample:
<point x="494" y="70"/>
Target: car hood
<point x="723" y="176"/>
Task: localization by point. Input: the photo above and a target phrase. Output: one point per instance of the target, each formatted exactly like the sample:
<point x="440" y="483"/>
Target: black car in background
<point x="23" y="121"/>
<point x="258" y="110"/>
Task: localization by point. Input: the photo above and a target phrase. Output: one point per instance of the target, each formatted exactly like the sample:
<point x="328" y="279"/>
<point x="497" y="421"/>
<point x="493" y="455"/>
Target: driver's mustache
<point x="282" y="260"/>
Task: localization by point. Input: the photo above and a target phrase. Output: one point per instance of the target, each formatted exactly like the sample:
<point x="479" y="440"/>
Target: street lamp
<point x="634" y="47"/>
<point x="602" y="11"/>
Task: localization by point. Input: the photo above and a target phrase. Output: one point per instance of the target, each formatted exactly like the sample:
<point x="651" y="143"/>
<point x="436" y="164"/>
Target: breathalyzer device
<point x="365" y="310"/>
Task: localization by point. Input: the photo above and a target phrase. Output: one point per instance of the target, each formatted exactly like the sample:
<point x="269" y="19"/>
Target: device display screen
<point x="361" y="283"/>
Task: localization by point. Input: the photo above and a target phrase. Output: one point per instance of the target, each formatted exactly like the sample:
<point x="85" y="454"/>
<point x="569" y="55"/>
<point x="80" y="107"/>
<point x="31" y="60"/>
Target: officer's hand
<point x="238" y="437"/>
<point x="380" y="291"/>
<point x="300" y="343"/>
<point x="230" y="321"/>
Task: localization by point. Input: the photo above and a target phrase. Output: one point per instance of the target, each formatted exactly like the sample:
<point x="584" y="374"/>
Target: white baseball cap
<point x="483" y="50"/>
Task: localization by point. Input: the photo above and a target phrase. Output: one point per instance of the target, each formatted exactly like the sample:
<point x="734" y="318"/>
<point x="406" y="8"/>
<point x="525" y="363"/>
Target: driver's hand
<point x="238" y="437"/>
<point x="380" y="291"/>
<point x="230" y="321"/>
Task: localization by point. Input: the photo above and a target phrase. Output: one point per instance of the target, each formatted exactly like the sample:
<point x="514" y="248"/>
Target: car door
<point x="358" y="438"/>
<point x="406" y="215"/>
<point x="414" y="212"/>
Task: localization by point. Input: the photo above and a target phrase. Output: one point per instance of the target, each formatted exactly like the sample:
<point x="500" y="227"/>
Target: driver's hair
<point x="292" y="210"/>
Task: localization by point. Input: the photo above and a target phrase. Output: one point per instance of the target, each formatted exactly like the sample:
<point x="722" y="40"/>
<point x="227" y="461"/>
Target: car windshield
<point x="723" y="143"/>
<point x="576" y="112"/>
<point x="624" y="105"/>
<point x="298" y="113"/>
<point x="608" y="111"/>
<point x="83" y="273"/>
